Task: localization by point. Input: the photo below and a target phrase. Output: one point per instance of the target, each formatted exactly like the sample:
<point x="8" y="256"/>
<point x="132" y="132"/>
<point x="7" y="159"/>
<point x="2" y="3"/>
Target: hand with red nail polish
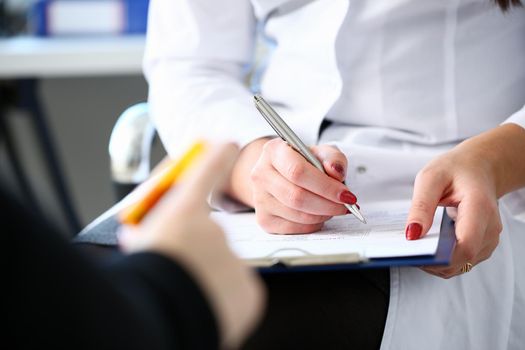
<point x="288" y="193"/>
<point x="471" y="177"/>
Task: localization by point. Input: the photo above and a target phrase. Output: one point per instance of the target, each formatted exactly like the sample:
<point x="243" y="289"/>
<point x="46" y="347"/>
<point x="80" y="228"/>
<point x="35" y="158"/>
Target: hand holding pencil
<point x="176" y="223"/>
<point x="167" y="178"/>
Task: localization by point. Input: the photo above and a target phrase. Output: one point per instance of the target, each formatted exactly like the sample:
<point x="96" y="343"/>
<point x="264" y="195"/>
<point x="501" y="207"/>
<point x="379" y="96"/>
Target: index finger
<point x="334" y="161"/>
<point x="300" y="172"/>
<point x="428" y="190"/>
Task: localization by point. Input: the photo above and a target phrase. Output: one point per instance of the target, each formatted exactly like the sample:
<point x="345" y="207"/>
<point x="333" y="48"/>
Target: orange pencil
<point x="133" y="214"/>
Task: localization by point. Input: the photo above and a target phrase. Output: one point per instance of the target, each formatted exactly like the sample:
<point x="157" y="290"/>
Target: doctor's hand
<point x="469" y="179"/>
<point x="288" y="193"/>
<point x="180" y="228"/>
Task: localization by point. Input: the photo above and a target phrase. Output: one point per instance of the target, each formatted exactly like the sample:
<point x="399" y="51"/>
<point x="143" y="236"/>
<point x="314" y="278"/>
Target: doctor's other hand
<point x="179" y="227"/>
<point x="288" y="193"/>
<point x="470" y="178"/>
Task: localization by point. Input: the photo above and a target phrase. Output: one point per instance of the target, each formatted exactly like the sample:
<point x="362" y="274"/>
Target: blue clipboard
<point x="446" y="243"/>
<point x="103" y="234"/>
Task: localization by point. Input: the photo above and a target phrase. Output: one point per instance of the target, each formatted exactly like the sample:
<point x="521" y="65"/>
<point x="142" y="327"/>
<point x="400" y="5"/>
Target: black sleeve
<point x="57" y="298"/>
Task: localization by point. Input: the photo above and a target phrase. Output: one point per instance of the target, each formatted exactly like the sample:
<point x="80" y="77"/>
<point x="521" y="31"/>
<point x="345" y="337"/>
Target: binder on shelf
<point x="88" y="17"/>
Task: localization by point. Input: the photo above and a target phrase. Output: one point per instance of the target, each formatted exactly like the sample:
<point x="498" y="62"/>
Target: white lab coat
<point x="402" y="81"/>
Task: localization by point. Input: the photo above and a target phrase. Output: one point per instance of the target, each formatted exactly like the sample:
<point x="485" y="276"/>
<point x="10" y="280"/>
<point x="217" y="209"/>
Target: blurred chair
<point x="130" y="147"/>
<point x="23" y="94"/>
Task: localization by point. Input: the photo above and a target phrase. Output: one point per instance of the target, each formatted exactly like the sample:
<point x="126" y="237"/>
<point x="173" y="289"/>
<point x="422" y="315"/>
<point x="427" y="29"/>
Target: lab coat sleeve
<point x="196" y="57"/>
<point x="517" y="118"/>
<point x="515" y="201"/>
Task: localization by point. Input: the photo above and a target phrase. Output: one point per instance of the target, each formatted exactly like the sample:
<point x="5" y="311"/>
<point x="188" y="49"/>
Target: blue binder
<point x="135" y="16"/>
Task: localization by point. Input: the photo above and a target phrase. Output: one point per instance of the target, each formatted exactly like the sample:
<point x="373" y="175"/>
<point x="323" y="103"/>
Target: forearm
<point x="503" y="150"/>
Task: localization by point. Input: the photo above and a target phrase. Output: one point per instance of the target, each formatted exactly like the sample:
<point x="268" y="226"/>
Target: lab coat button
<point x="361" y="169"/>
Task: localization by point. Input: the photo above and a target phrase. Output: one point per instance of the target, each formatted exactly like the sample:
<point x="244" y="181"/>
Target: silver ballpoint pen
<point x="283" y="130"/>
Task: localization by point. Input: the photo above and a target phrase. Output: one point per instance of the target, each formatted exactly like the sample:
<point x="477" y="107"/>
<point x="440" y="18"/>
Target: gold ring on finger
<point x="466" y="268"/>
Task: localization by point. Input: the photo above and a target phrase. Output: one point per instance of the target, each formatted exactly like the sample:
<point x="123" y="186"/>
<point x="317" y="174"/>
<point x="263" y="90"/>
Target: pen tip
<point x="257" y="97"/>
<point x="360" y="216"/>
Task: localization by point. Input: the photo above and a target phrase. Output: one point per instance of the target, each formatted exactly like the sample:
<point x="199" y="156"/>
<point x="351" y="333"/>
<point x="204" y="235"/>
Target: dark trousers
<point x="324" y="310"/>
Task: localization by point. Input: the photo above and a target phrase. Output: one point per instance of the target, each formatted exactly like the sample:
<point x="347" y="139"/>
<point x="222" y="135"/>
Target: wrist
<point x="500" y="152"/>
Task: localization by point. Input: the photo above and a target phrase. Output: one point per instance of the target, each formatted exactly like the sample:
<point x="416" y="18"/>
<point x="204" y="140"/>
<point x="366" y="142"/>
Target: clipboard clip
<point x="305" y="259"/>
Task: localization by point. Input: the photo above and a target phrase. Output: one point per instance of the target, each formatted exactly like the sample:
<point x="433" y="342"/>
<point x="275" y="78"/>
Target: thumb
<point x="428" y="190"/>
<point x="208" y="171"/>
<point x="334" y="161"/>
<point x="211" y="171"/>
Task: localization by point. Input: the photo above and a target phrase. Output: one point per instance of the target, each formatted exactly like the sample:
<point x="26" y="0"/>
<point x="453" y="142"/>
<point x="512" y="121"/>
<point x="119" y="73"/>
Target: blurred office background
<point x="80" y="106"/>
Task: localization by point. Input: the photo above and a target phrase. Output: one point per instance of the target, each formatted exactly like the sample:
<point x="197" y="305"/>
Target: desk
<point x="25" y="60"/>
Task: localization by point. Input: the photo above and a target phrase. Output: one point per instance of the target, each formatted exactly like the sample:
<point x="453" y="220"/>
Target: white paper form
<point x="383" y="236"/>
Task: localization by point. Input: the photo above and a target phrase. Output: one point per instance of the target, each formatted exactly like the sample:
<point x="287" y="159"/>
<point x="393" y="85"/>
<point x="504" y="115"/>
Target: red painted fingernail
<point x="339" y="168"/>
<point x="413" y="231"/>
<point x="347" y="197"/>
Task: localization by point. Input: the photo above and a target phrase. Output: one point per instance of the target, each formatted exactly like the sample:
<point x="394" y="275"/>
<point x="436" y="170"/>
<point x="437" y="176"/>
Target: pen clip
<point x="264" y="114"/>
